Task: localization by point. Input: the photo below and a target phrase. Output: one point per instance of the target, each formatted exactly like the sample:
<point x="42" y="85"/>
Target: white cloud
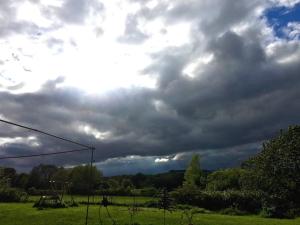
<point x="161" y="160"/>
<point x="89" y="130"/>
<point x="293" y="30"/>
<point x="31" y="141"/>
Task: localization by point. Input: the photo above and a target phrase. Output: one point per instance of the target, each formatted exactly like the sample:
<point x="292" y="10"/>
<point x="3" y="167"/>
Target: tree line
<point x="267" y="183"/>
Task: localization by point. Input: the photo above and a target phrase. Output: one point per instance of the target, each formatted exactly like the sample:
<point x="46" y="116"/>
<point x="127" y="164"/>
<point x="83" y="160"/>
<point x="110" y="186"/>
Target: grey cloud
<point x="132" y="33"/>
<point x="70" y="12"/>
<point x="134" y="164"/>
<point x="211" y="17"/>
<point x="52" y="42"/>
<point x="210" y="159"/>
<point x="168" y="64"/>
<point x="99" y="31"/>
<point x="9" y="23"/>
<point x="75" y="11"/>
<point x="55" y="44"/>
<point x="242" y="97"/>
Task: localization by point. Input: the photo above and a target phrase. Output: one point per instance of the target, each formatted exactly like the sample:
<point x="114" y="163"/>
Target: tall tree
<point x="276" y="170"/>
<point x="40" y="176"/>
<point x="193" y="173"/>
<point x="84" y="177"/>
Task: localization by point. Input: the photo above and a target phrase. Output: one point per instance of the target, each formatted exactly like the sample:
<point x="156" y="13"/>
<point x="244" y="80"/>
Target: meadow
<point x="25" y="214"/>
<point x="120" y="200"/>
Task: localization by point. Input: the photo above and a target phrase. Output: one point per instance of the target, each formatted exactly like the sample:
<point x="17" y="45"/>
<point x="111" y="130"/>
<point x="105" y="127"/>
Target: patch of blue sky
<point x="280" y="17"/>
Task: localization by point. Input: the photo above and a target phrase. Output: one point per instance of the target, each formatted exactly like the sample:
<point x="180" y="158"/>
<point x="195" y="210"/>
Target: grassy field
<point x="96" y="199"/>
<point x="25" y="214"/>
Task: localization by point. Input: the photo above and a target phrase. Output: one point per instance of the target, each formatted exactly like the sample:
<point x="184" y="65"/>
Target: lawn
<point x="126" y="200"/>
<point x="25" y="214"/>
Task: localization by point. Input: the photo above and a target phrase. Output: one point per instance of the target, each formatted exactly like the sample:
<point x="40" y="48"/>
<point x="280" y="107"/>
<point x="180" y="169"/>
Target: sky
<point x="147" y="82"/>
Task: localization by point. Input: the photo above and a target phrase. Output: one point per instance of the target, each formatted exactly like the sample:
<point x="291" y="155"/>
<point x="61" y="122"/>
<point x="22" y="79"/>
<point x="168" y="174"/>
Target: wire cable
<point x="92" y="149"/>
<point x="43" y="154"/>
<point x="45" y="133"/>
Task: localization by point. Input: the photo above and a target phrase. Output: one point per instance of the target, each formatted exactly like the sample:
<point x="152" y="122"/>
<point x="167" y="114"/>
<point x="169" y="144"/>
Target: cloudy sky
<point x="147" y="82"/>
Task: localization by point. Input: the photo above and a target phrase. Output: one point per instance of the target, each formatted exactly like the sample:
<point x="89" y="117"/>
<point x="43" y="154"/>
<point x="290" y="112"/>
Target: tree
<point x="276" y="170"/>
<point x="165" y="202"/>
<point x="84" y="177"/>
<point x="62" y="175"/>
<point x="40" y="176"/>
<point x="3" y="180"/>
<point x="193" y="175"/>
<point x="21" y="180"/>
<point x="227" y="179"/>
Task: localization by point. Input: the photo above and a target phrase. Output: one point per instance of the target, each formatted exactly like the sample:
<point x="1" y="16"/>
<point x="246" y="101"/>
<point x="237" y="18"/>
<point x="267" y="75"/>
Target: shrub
<point x="233" y="211"/>
<point x="249" y="201"/>
<point x="12" y="195"/>
<point x="276" y="207"/>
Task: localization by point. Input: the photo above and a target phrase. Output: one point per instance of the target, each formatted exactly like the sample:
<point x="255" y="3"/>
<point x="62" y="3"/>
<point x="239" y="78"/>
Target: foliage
<point x="21" y="181"/>
<point x="165" y="202"/>
<point x="169" y="180"/>
<point x="8" y="194"/>
<point x="148" y="191"/>
<point x="12" y="195"/>
<point x="82" y="177"/>
<point x="79" y="178"/>
<point x="193" y="173"/>
<point x="233" y="212"/>
<point x="276" y="172"/>
<point x="228" y="179"/>
<point x="40" y="176"/>
<point x="249" y="201"/>
<point x="188" y="214"/>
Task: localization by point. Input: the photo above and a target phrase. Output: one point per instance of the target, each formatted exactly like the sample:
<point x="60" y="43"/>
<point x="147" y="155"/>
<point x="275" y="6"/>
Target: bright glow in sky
<point x="89" y="56"/>
<point x="149" y="81"/>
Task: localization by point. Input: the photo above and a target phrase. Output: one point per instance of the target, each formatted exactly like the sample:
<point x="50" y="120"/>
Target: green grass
<point x="25" y="214"/>
<point x="95" y="199"/>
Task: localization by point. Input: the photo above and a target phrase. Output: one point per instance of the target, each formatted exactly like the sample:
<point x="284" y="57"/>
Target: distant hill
<point x="171" y="179"/>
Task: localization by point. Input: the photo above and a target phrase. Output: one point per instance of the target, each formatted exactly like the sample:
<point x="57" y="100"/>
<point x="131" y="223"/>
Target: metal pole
<point x="90" y="184"/>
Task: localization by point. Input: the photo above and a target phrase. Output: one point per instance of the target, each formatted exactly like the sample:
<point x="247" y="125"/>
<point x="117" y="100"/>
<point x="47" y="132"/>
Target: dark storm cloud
<point x="240" y="98"/>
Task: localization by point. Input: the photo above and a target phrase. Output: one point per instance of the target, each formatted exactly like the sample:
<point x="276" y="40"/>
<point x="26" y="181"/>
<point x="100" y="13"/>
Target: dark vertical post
<point x="90" y="185"/>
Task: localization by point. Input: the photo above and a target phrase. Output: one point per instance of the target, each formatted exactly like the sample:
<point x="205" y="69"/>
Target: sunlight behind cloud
<point x="89" y="130"/>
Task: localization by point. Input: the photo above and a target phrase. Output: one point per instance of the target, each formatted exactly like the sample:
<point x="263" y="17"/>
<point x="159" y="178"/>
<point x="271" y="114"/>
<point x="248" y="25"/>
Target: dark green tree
<point x="21" y="180"/>
<point x="276" y="172"/>
<point x="227" y="179"/>
<point x="193" y="175"/>
<point x="40" y="176"/>
<point x="81" y="177"/>
<point x="165" y="202"/>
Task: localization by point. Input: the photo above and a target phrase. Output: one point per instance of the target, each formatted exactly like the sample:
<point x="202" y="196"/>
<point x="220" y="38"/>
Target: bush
<point x="273" y="212"/>
<point x="195" y="209"/>
<point x="233" y="211"/>
<point x="275" y="207"/>
<point x="12" y="195"/>
<point x="249" y="201"/>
